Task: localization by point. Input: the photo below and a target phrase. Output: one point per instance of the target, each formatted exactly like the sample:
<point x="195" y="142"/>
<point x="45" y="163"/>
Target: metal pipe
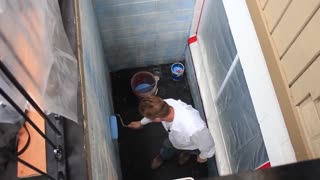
<point x="17" y="108"/>
<point x="15" y="82"/>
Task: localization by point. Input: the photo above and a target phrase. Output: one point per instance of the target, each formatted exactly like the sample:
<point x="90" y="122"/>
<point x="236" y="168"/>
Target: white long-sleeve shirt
<point x="187" y="131"/>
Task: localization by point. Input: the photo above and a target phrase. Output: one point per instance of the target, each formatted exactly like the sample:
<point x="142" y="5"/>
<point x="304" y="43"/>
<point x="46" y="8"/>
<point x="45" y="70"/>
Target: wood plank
<point x="315" y="147"/>
<point x="310" y="117"/>
<point x="316" y="138"/>
<point x="310" y="123"/>
<point x="274" y="11"/>
<point x="263" y="3"/>
<point x="292" y="23"/>
<point x="307" y="84"/>
<point x="36" y="152"/>
<point x="282" y="90"/>
<point x="303" y="51"/>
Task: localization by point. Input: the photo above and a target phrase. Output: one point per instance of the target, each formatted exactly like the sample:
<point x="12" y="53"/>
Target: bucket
<point x="144" y="84"/>
<point x="177" y="70"/>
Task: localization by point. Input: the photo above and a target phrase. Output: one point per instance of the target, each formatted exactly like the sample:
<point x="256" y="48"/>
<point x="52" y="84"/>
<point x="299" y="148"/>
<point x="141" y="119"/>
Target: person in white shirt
<point x="187" y="131"/>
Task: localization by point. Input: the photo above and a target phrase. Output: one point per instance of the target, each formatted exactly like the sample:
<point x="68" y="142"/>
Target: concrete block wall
<point x="143" y="32"/>
<point x="103" y="154"/>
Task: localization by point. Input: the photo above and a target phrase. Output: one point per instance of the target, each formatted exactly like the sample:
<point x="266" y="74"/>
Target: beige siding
<point x="292" y="29"/>
<point x="264" y="3"/>
<point x="303" y="51"/>
<point x="274" y="11"/>
<point x="308" y="84"/>
<point x="309" y="113"/>
<point x="292" y="23"/>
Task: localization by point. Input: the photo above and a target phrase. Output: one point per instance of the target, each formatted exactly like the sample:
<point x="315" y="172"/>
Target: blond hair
<point x="154" y="107"/>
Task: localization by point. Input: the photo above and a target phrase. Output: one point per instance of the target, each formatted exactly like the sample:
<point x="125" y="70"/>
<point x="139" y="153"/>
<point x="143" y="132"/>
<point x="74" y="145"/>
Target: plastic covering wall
<point x="226" y="98"/>
<point x="139" y="33"/>
<point x="265" y="102"/>
<point x="193" y="83"/>
<point x="104" y="164"/>
<point x="35" y="48"/>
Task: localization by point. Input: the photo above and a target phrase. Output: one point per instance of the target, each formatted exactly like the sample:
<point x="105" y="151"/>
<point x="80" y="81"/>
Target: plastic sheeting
<point x="193" y="83"/>
<point x="241" y="131"/>
<point x="9" y="115"/>
<point x="34" y="47"/>
<point x="227" y="102"/>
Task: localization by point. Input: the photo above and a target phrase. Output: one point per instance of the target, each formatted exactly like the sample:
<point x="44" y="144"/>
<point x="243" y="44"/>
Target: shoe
<point x="183" y="158"/>
<point x="156" y="162"/>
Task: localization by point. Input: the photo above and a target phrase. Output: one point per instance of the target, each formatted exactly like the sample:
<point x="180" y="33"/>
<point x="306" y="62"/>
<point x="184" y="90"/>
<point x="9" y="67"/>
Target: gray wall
<point x="143" y="32"/>
<point x="98" y="94"/>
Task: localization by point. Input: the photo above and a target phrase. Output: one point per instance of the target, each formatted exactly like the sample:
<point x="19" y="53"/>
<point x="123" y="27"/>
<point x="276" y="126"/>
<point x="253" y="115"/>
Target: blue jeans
<point x="167" y="151"/>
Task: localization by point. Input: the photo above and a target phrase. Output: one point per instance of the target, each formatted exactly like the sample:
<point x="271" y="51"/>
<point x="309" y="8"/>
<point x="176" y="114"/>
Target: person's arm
<point x="204" y="143"/>
<point x="139" y="124"/>
<point x="145" y="121"/>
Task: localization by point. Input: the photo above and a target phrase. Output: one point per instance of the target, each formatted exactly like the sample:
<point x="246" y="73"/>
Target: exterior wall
<point x="143" y="32"/>
<point x="289" y="35"/>
<point x="102" y="154"/>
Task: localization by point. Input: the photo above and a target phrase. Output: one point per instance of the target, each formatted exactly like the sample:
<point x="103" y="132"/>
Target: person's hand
<point x="135" y="125"/>
<point x="200" y="160"/>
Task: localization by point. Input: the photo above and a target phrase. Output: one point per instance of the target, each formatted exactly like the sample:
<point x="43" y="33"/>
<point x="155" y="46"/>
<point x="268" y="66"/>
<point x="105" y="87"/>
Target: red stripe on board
<point x="264" y="166"/>
<point x="192" y="39"/>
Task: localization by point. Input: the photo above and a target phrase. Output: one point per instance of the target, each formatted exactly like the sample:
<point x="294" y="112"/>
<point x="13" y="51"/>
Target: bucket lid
<point x="177" y="68"/>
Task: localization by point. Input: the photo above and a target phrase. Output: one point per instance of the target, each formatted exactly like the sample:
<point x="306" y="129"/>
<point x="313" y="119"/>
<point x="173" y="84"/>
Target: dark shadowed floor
<point x="138" y="147"/>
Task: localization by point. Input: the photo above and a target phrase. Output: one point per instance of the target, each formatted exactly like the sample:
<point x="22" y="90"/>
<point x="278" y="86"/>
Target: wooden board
<point x="264" y="3"/>
<point x="274" y="11"/>
<point x="294" y="20"/>
<point x="303" y="51"/>
<point x="36" y="152"/>
<point x="292" y="55"/>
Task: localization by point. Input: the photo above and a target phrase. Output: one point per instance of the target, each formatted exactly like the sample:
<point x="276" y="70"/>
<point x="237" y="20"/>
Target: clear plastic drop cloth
<point x="229" y="97"/>
<point x="35" y="48"/>
<point x="240" y="127"/>
<point x="193" y="84"/>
